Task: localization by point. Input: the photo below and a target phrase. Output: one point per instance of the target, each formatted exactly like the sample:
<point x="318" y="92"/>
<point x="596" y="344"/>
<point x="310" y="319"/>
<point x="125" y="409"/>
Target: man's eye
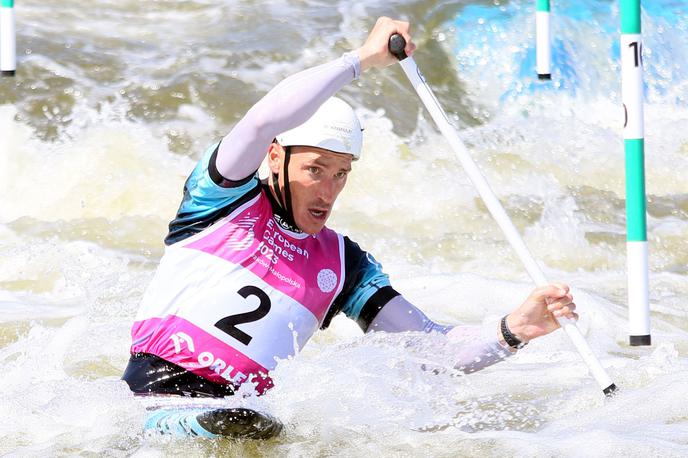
<point x="341" y="174"/>
<point x="313" y="170"/>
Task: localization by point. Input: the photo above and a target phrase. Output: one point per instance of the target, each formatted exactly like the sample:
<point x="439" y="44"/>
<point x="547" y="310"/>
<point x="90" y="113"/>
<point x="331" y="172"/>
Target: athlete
<point x="251" y="271"/>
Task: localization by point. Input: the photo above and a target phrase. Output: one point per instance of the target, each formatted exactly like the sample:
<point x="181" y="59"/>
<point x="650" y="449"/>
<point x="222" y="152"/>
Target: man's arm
<point x="532" y="319"/>
<point x="297" y="98"/>
<point x="286" y="106"/>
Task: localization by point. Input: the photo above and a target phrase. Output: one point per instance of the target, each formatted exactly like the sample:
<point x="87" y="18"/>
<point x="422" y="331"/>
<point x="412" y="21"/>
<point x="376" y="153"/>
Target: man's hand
<point x="536" y="316"/>
<point x="375" y="51"/>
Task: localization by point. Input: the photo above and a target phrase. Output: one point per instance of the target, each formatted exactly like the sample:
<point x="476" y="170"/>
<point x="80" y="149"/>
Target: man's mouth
<point x="318" y="213"/>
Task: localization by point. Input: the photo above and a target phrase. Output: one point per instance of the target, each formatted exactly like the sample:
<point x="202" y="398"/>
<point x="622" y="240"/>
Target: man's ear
<point x="275" y="157"/>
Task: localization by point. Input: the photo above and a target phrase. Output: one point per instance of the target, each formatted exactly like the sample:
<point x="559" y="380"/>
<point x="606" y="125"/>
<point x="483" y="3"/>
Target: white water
<point x="112" y="104"/>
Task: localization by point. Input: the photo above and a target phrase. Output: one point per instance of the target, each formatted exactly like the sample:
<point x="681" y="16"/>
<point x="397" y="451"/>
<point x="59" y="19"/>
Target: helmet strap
<point x="285" y="201"/>
<point x="276" y="189"/>
<point x="287" y="188"/>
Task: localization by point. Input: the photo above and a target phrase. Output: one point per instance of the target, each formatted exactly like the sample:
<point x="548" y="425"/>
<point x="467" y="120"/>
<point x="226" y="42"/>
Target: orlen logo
<point x="180" y="338"/>
<point x="242" y="235"/>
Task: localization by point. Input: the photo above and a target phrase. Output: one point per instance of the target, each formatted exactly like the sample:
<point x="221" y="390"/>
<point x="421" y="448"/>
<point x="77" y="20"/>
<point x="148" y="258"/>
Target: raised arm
<point x="295" y="99"/>
<point x="286" y="106"/>
<point x="477" y="349"/>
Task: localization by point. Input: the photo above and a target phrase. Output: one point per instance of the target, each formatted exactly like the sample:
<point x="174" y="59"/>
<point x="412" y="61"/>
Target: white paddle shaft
<point x="495" y="207"/>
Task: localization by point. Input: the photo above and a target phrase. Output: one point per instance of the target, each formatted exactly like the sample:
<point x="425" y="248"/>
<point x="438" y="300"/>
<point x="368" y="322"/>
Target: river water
<point x="114" y="101"/>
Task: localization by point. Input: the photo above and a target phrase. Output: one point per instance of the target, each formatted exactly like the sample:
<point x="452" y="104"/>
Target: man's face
<point x="316" y="177"/>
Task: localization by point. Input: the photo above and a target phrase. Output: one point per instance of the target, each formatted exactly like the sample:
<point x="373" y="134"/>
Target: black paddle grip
<point x="397" y="45"/>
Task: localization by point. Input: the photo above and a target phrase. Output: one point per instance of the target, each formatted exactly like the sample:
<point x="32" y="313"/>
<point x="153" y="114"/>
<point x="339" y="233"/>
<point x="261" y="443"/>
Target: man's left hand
<point x="537" y="315"/>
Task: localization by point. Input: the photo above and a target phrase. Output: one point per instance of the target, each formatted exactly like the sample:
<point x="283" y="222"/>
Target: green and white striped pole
<point x="633" y="133"/>
<point x="8" y="46"/>
<point x="543" y="47"/>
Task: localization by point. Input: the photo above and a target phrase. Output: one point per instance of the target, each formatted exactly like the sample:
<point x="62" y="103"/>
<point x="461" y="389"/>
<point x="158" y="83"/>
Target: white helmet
<point x="333" y="127"/>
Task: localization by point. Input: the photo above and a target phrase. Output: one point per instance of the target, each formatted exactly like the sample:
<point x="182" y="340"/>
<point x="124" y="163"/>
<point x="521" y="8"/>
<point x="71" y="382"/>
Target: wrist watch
<point x="510" y="339"/>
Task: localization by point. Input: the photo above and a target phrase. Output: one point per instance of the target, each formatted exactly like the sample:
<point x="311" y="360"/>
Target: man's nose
<point x="328" y="190"/>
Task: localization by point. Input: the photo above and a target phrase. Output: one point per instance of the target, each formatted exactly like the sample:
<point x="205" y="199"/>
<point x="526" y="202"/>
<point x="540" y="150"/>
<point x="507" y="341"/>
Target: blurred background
<point x="114" y="101"/>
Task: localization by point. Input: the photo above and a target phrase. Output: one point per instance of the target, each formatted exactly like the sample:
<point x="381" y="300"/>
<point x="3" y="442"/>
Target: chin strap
<point x="285" y="202"/>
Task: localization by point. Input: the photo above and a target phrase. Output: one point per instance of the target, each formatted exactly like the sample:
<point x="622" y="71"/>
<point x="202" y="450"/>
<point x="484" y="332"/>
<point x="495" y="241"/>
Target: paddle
<point x="396" y="47"/>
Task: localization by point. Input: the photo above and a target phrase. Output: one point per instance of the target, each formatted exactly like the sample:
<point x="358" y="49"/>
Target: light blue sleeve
<point x="369" y="280"/>
<point x="204" y="201"/>
<point x="474" y="347"/>
<point x="205" y="195"/>
<point x="366" y="287"/>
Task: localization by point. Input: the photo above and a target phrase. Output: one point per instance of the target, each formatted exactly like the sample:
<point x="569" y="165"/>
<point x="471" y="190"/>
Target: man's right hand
<point x="375" y="51"/>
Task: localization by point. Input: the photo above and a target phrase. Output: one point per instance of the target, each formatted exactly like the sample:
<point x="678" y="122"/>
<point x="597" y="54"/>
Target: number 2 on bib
<point x="228" y="323"/>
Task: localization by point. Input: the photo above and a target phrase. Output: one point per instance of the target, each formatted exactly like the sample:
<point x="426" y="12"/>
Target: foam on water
<point x="100" y="129"/>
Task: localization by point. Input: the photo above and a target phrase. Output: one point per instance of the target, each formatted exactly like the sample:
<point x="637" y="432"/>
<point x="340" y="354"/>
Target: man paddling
<point x="251" y="271"/>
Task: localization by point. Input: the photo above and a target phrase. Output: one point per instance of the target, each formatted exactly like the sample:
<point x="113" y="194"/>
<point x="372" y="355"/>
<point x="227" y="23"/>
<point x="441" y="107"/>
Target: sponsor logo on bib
<point x="327" y="280"/>
<point x="242" y="236"/>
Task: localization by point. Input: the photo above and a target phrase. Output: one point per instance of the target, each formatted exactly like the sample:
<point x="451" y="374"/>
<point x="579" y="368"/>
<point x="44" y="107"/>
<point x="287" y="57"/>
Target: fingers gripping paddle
<point x="396" y="46"/>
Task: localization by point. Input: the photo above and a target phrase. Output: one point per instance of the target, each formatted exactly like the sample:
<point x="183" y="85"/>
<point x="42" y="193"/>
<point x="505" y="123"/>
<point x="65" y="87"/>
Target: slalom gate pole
<point x="396" y="47"/>
<point x="543" y="42"/>
<point x="8" y="46"/>
<point x="634" y="147"/>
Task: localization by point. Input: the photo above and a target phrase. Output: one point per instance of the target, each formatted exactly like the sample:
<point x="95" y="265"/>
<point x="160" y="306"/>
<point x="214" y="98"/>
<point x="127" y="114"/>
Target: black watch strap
<point x="510" y="339"/>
